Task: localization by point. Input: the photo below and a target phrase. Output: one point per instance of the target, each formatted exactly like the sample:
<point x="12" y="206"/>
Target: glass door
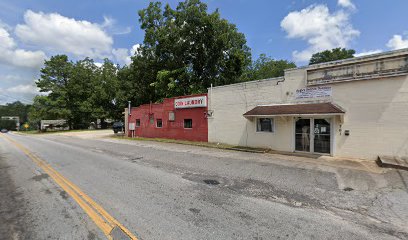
<point x="321" y="138"/>
<point x="302" y="135"/>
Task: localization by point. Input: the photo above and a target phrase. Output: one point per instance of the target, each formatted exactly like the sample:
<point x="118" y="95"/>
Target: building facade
<point x="355" y="108"/>
<point x="183" y="118"/>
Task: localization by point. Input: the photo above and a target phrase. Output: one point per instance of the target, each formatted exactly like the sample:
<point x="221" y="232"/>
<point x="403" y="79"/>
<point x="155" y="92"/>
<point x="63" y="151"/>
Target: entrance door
<point x="321" y="140"/>
<point x="313" y="135"/>
<point x="302" y="132"/>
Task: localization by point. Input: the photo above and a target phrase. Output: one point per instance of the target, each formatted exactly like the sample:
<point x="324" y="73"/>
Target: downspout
<point x="211" y="90"/>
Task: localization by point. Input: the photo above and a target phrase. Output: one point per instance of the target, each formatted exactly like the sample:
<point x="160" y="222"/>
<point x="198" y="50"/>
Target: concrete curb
<point x="391" y="162"/>
<point x="244" y="150"/>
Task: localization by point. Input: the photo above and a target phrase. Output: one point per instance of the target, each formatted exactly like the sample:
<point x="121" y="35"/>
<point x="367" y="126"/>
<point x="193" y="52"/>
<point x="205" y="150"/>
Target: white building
<point x="354" y="108"/>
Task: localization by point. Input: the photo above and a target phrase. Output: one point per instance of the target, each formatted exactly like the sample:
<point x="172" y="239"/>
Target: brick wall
<point x="150" y="113"/>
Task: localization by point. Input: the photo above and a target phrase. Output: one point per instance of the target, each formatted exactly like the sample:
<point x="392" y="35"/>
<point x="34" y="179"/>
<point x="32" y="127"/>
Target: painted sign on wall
<point x="192" y="102"/>
<point x="314" y="92"/>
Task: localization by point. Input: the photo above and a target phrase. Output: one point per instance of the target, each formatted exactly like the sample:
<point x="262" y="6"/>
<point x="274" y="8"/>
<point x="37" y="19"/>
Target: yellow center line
<point x="98" y="215"/>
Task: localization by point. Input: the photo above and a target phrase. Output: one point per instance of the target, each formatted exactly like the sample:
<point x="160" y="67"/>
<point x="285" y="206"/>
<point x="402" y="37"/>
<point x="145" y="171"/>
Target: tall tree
<point x="332" y="55"/>
<point x="54" y="80"/>
<point x="79" y="92"/>
<point x="104" y="93"/>
<point x="80" y="87"/>
<point x="266" y="67"/>
<point x="187" y="48"/>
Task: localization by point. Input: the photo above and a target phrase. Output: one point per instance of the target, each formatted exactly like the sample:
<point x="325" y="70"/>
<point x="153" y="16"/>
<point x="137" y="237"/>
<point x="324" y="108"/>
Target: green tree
<point x="79" y="92"/>
<point x="332" y="55"/>
<point x="186" y="49"/>
<point x="42" y="109"/>
<point x="7" y="124"/>
<point x="80" y="88"/>
<point x="266" y="67"/>
<point x="15" y="109"/>
<point x="54" y="79"/>
<point x="104" y="93"/>
<point x="135" y="82"/>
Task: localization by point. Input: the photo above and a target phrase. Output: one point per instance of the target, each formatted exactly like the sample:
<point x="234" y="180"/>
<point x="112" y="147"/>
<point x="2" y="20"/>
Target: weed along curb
<point x="198" y="144"/>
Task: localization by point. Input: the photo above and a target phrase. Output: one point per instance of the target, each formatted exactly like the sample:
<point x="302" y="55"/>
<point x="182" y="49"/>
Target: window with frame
<point x="265" y="125"/>
<point x="159" y="123"/>
<point x="137" y="122"/>
<point x="188" y="123"/>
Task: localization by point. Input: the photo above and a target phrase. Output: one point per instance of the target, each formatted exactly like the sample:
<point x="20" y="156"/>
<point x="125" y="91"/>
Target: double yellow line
<point x="98" y="215"/>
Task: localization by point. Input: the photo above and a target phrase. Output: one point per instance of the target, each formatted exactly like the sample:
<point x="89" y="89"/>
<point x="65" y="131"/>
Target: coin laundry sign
<point x="313" y="92"/>
<point x="192" y="102"/>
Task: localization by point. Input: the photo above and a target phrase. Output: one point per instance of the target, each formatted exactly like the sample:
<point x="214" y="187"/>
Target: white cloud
<point x="397" y="42"/>
<point x="110" y="24"/>
<point x="346" y="4"/>
<point x="321" y="29"/>
<point x="22" y="92"/>
<point x="135" y="50"/>
<point x="11" y="55"/>
<point x="370" y="52"/>
<point x="123" y="55"/>
<point x="23" y="48"/>
<point x="59" y="33"/>
<point x="23" y="89"/>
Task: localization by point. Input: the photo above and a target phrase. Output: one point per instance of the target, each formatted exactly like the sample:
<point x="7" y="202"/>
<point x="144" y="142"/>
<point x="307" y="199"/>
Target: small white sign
<point x="314" y="92"/>
<point x="192" y="102"/>
<point x="172" y="117"/>
<point x="132" y="126"/>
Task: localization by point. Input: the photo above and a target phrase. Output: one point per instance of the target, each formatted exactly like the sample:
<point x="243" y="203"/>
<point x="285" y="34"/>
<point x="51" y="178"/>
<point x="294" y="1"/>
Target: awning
<point x="295" y="110"/>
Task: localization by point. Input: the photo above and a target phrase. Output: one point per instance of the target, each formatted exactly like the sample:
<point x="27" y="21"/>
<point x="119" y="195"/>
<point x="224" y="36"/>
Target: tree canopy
<point x="331" y="55"/>
<point x="187" y="49"/>
<point x="79" y="92"/>
<point x="266" y="67"/>
<point x="184" y="51"/>
<point x="15" y="109"/>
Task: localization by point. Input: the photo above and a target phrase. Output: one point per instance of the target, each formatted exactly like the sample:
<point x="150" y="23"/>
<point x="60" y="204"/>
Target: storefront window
<point x="159" y="123"/>
<point x="188" y="123"/>
<point x="264" y="125"/>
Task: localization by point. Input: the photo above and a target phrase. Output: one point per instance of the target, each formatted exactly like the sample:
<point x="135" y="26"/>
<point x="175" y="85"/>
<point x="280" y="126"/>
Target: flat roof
<point x="368" y="57"/>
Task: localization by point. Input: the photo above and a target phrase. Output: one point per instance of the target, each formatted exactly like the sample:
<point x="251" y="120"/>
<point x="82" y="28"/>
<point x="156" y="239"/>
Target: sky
<point x="32" y="31"/>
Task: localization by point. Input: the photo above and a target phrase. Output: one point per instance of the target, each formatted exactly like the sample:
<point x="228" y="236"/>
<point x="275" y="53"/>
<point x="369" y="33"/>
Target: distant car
<point x="4" y="130"/>
<point x="118" y="127"/>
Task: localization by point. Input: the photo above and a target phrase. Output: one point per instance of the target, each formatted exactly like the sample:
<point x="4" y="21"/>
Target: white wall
<point x="376" y="114"/>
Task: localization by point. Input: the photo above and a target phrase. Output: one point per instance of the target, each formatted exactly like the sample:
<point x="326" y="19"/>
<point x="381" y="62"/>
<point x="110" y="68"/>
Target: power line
<point x="21" y="98"/>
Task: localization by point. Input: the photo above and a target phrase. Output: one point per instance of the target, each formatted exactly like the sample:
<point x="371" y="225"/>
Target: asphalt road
<point x="159" y="191"/>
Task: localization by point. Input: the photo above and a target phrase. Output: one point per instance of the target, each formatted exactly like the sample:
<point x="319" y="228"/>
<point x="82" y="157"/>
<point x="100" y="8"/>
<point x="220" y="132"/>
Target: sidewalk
<point x="283" y="158"/>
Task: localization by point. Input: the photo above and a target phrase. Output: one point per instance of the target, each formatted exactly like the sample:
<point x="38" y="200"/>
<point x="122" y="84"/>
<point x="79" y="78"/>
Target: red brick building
<point x="183" y="118"/>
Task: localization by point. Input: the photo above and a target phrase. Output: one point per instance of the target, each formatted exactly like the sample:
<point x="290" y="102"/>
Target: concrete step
<point x="393" y="162"/>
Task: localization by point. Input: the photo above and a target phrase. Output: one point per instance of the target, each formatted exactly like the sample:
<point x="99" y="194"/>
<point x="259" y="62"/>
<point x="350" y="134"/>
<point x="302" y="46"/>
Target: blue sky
<point x="31" y="31"/>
